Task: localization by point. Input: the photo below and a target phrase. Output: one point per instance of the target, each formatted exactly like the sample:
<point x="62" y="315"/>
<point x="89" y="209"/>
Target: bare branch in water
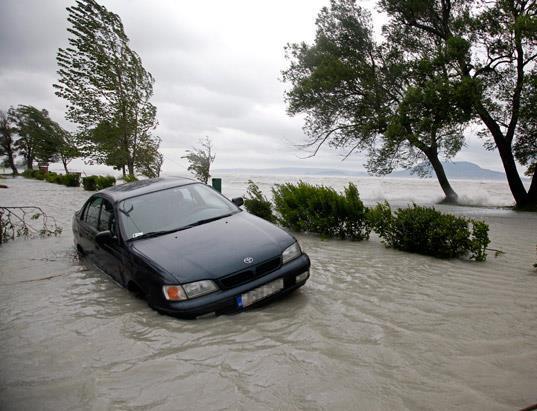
<point x="26" y="222"/>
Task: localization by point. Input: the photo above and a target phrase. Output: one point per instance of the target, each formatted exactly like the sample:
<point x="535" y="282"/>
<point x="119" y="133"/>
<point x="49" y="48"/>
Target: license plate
<point x="246" y="299"/>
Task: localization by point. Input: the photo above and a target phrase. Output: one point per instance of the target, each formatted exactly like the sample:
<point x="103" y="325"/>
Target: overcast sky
<point x="216" y="66"/>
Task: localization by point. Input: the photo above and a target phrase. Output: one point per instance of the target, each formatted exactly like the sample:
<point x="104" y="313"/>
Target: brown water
<point x="374" y="329"/>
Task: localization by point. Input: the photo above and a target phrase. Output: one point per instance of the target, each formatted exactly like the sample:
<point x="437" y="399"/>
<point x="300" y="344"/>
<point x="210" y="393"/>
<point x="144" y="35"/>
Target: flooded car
<point x="186" y="248"/>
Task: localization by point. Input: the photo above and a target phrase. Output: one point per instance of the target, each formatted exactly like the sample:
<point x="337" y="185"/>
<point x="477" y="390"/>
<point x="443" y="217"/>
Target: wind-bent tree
<point x="398" y="106"/>
<point x="200" y="160"/>
<point x="38" y="137"/>
<point x="107" y="89"/>
<point x="7" y="140"/>
<point x="150" y="160"/>
<point x="66" y="148"/>
<point x="494" y="45"/>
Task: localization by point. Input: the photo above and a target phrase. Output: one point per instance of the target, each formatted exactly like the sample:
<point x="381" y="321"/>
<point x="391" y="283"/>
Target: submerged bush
<point x="105" y="181"/>
<point x="425" y="230"/>
<point x="320" y="209"/>
<point x="34" y="173"/>
<point x="89" y="183"/>
<point x="94" y="183"/>
<point x="71" y="180"/>
<point x="257" y="204"/>
<point x="27" y="173"/>
<point x="129" y="178"/>
<point x="52" y="177"/>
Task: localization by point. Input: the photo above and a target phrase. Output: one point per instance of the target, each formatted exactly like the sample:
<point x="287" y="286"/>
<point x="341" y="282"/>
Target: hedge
<point x="69" y="180"/>
<point x="425" y="230"/>
<point x="257" y="204"/>
<point x="320" y="209"/>
<point x="93" y="183"/>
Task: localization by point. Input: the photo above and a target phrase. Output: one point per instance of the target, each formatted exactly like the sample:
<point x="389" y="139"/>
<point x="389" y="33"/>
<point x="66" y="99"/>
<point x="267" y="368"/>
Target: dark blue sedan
<point x="187" y="249"/>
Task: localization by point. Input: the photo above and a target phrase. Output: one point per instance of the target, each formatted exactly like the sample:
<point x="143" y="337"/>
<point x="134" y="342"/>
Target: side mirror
<point x="104" y="237"/>
<point x="238" y="201"/>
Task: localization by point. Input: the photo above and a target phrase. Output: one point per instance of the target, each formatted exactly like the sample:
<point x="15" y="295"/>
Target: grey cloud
<point x="219" y="72"/>
<point x="31" y="33"/>
<point x="216" y="67"/>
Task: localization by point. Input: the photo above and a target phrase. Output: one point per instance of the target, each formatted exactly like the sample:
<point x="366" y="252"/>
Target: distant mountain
<point x="300" y="171"/>
<point x="462" y="170"/>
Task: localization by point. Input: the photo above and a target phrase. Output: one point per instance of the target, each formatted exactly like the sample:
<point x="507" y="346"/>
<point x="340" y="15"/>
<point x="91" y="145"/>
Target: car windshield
<point x="172" y="209"/>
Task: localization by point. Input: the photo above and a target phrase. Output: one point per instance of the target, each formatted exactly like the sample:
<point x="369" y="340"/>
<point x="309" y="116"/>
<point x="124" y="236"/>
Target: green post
<point x="217" y="184"/>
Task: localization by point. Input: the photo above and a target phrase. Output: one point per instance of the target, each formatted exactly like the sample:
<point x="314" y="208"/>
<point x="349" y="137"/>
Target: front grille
<point x="245" y="276"/>
<point x="238" y="278"/>
<point x="268" y="266"/>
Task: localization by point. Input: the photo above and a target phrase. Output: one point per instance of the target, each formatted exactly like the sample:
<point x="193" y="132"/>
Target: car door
<point x="88" y="226"/>
<point x="109" y="252"/>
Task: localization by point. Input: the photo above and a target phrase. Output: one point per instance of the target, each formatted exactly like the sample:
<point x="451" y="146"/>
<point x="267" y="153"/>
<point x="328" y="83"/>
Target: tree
<point x="7" y="141"/>
<point x="399" y="107"/>
<point x="66" y="149"/>
<point x="200" y="160"/>
<point x="41" y="138"/>
<point x="37" y="134"/>
<point x="150" y="160"/>
<point x="494" y="46"/>
<point x="106" y="87"/>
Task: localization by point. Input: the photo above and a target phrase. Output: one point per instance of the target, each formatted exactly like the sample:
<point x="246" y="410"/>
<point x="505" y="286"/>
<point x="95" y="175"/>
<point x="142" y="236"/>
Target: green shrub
<point x="71" y="180"/>
<point x="93" y="183"/>
<point x="425" y="230"/>
<point x="89" y="183"/>
<point x="28" y="173"/>
<point x="257" y="204"/>
<point x="38" y="175"/>
<point x="320" y="209"/>
<point x="129" y="178"/>
<point x="105" y="181"/>
<point x="52" y="177"/>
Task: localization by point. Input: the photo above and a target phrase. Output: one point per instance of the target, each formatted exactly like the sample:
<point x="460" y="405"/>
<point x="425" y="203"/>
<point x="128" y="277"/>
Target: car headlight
<point x="291" y="252"/>
<point x="199" y="288"/>
<point x="187" y="291"/>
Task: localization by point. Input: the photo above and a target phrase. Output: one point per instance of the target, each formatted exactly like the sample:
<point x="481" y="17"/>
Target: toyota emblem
<point x="248" y="260"/>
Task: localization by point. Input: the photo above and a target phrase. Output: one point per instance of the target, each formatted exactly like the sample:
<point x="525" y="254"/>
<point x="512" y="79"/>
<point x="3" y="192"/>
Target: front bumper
<point x="225" y="300"/>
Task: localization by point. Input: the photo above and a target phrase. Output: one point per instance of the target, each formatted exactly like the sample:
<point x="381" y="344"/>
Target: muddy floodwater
<point x="373" y="329"/>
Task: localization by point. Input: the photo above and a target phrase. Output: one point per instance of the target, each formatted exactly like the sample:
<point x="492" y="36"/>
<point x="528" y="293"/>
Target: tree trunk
<point x="451" y="195"/>
<point x="64" y="162"/>
<point x="513" y="178"/>
<point x="131" y="168"/>
<point x="29" y="163"/>
<point x="531" y="201"/>
<point x="506" y="154"/>
<point x="11" y="161"/>
<point x="123" y="170"/>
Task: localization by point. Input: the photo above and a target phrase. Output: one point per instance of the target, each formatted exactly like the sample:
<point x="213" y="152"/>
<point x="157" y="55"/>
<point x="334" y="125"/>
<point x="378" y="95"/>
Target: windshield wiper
<point x="208" y="220"/>
<point x="154" y="234"/>
<point x="163" y="232"/>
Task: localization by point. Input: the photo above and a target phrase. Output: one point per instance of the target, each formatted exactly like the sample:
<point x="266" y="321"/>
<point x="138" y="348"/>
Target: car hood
<point x="215" y="249"/>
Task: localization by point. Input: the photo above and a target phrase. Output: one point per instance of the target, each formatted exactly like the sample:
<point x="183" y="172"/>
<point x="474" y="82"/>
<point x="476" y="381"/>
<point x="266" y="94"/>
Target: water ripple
<point x="373" y="329"/>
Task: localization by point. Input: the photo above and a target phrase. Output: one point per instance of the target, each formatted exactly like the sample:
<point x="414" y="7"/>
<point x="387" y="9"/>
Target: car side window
<point x="92" y="214"/>
<point x="107" y="220"/>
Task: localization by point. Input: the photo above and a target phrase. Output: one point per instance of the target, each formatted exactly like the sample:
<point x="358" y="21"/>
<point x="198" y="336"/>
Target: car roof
<point x="136" y="188"/>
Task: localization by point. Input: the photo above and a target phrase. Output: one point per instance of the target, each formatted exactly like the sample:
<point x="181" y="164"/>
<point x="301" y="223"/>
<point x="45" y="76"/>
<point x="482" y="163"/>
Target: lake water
<point x="373" y="329"/>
